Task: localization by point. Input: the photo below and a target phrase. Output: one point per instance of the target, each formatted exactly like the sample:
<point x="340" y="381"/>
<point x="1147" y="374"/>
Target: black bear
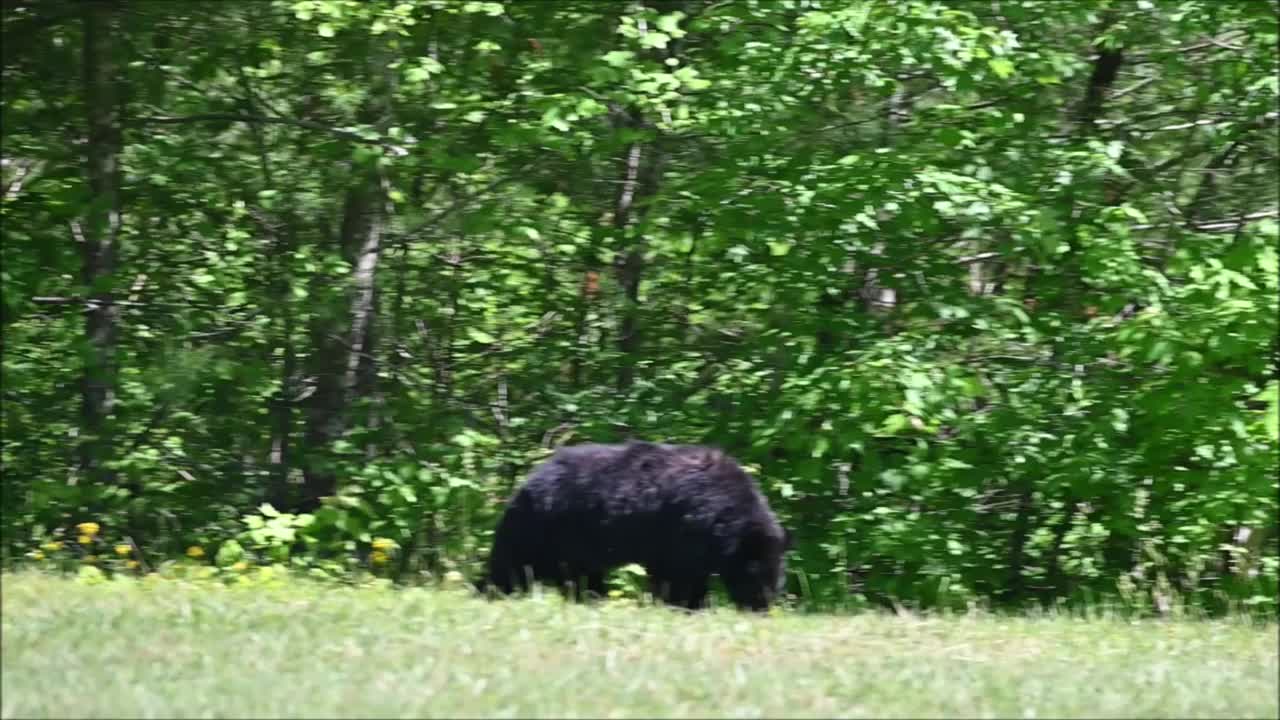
<point x="683" y="512"/>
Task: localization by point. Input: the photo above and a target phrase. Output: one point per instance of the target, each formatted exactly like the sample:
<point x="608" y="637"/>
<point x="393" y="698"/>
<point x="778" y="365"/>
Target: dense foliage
<point x="986" y="292"/>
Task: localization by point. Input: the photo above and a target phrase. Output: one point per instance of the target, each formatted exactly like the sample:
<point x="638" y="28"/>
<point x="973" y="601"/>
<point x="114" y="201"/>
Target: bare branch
<point x="96" y="303"/>
<point x="979" y="257"/>
<point x="260" y="119"/>
<point x="23" y="171"/>
<point x="1216" y="225"/>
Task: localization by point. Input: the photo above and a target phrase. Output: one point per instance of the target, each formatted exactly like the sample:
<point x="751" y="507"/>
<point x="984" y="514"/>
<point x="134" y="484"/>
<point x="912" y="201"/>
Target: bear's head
<point x="761" y="572"/>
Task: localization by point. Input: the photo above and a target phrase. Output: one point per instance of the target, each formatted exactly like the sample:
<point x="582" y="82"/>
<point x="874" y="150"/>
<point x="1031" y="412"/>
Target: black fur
<point x="682" y="512"/>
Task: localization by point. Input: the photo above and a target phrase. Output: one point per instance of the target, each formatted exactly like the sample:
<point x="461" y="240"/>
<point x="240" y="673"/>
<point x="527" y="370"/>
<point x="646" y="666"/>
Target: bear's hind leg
<point x="596" y="587"/>
<point x="581" y="585"/>
<point x="692" y="593"/>
<point x="686" y="592"/>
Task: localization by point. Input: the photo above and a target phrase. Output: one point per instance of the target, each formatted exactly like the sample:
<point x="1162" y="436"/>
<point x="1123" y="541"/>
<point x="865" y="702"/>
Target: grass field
<point x="173" y="649"/>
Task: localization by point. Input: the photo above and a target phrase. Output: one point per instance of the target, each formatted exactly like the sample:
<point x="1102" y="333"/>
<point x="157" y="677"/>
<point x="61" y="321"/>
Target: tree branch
<point x="261" y="119"/>
<point x="1216" y="225"/>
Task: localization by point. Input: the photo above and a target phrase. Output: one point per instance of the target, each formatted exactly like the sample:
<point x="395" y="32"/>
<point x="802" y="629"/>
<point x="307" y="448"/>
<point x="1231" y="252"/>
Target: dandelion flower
<point x="132" y="564"/>
<point x="377" y="557"/>
<point x="195" y="551"/>
<point x="86" y="539"/>
<point x="240" y="566"/>
<point x="122" y="549"/>
<point x="383" y="544"/>
<point x="52" y="546"/>
<point x="35" y="555"/>
<point x="88" y="528"/>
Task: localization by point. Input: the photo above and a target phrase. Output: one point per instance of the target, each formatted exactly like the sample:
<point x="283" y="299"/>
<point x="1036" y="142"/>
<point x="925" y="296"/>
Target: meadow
<point x="166" y="648"/>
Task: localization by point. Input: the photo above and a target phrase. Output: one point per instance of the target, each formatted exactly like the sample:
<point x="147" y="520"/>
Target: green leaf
<point x="816" y="19"/>
<point x="481" y="336"/>
<point x="90" y="575"/>
<point x="229" y="553"/>
<point x="894" y="424"/>
<point x="1134" y="213"/>
<point x="670" y="24"/>
<point x="893" y="479"/>
<point x="618" y="58"/>
<point x="654" y="39"/>
<point x="1002" y="67"/>
<point x="492" y="9"/>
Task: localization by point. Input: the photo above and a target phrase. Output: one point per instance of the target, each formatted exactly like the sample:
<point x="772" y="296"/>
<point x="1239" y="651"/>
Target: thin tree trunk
<point x="396" y="342"/>
<point x="363" y="307"/>
<point x="641" y="170"/>
<point x="1015" y="587"/>
<point x="631" y="270"/>
<point x="1058" y="582"/>
<point x="284" y="241"/>
<point x="344" y="351"/>
<point x="98" y="238"/>
<point x="340" y="352"/>
<point x="1105" y="68"/>
<point x="282" y="430"/>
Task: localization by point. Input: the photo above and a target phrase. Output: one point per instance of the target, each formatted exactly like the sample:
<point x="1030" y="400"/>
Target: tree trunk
<point x="283" y="243"/>
<point x="1015" y="585"/>
<point x="340" y="354"/>
<point x="641" y="170"/>
<point x="1105" y="67"/>
<point x="630" y="271"/>
<point x="98" y="238"/>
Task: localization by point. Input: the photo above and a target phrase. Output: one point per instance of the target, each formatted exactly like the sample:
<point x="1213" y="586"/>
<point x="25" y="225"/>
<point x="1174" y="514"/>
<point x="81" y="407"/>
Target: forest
<point x="983" y="292"/>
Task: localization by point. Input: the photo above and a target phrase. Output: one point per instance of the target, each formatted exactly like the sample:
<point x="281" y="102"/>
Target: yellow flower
<point x="88" y="528"/>
<point x="377" y="557"/>
<point x="53" y="546"/>
<point x="132" y="564"/>
<point x="35" y="555"/>
<point x="123" y="549"/>
<point x="89" y="559"/>
<point x="86" y="539"/>
<point x="240" y="566"/>
<point x="383" y="544"/>
<point x="195" y="551"/>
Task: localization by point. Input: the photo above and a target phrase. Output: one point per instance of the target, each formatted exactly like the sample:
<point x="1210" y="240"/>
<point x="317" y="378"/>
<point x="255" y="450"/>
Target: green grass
<point x="176" y="649"/>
